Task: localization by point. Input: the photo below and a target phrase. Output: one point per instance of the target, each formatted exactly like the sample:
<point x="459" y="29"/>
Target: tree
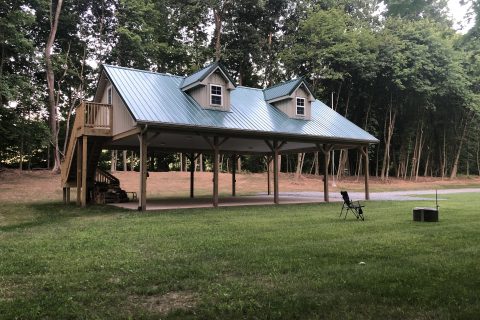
<point x="55" y="9"/>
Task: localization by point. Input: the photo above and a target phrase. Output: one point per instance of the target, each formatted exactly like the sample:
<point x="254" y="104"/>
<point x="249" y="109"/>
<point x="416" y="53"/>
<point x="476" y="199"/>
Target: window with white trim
<point x="300" y="106"/>
<point x="109" y="95"/>
<point x="216" y="95"/>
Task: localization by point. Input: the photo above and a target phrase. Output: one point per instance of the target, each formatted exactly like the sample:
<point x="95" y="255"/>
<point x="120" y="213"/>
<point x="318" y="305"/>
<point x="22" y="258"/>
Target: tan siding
<point x="289" y="105"/>
<point x="104" y="95"/>
<point x="217" y="79"/>
<point x="201" y="94"/>
<point x="301" y="93"/>
<point x="122" y="120"/>
<point x="285" y="106"/>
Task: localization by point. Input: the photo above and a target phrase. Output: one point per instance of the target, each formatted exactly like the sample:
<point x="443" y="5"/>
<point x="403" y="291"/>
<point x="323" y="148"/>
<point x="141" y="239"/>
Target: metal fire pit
<point x="425" y="214"/>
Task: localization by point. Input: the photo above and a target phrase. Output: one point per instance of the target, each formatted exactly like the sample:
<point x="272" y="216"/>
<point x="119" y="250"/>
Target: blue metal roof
<point x="201" y="74"/>
<point x="282" y="89"/>
<point x="158" y="98"/>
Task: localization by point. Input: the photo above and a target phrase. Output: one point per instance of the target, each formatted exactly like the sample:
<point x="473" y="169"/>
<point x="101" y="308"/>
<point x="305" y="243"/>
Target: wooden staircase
<point x="91" y="129"/>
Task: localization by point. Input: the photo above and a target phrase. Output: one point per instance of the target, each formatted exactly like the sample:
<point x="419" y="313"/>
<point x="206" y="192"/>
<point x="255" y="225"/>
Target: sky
<point x="458" y="13"/>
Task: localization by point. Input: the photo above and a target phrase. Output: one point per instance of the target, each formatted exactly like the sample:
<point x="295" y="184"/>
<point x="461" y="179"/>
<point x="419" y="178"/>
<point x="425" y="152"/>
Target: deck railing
<point x="96" y="115"/>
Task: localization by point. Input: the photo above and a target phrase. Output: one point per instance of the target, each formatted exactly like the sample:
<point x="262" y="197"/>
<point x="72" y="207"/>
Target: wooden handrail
<point x="97" y="115"/>
<point x="106" y="177"/>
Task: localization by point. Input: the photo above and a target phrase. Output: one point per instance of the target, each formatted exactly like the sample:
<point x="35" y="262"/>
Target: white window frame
<point x="109" y="95"/>
<point x="299" y="106"/>
<point x="216" y="95"/>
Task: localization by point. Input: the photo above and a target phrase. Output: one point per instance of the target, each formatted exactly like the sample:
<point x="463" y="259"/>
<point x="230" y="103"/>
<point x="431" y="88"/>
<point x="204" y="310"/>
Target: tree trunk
<point x="315" y="167"/>
<point x="113" y="163"/>
<point x="132" y="161"/>
<point x="388" y="133"/>
<point x="20" y="166"/>
<point x="478" y="157"/>
<point x="419" y="153"/>
<point x="427" y="162"/>
<point x="125" y="168"/>
<point x="217" y="14"/>
<point x="298" y="171"/>
<point x="453" y="173"/>
<point x="200" y="160"/>
<point x="342" y="163"/>
<point x="53" y="112"/>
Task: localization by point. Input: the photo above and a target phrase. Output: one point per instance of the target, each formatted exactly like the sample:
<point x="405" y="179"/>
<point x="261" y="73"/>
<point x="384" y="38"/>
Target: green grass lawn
<point x="284" y="262"/>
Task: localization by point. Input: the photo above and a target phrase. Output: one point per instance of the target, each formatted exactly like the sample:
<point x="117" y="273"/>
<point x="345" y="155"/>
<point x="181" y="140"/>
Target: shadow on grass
<point x="51" y="213"/>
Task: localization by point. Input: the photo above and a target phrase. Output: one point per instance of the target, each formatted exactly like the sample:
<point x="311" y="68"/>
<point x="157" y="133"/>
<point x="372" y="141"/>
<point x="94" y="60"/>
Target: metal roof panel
<point x="158" y="98"/>
<point x="282" y="89"/>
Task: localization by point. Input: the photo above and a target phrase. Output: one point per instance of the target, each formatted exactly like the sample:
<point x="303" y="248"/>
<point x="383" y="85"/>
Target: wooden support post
<point x="269" y="161"/>
<point x="234" y="168"/>
<point x="215" y="171"/>
<point x="326" y="156"/>
<point x="142" y="200"/>
<point x="275" y="147"/>
<point x="364" y="151"/>
<point x="79" y="171"/>
<point x="192" y="172"/>
<point x="275" y="173"/>
<point x="84" y="172"/>
<point x="66" y="195"/>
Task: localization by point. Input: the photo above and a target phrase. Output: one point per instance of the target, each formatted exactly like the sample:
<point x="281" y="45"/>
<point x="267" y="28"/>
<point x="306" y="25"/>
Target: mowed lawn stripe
<point x="265" y="262"/>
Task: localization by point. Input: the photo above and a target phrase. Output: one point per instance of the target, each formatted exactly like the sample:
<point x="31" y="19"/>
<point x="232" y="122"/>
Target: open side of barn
<point x="204" y="113"/>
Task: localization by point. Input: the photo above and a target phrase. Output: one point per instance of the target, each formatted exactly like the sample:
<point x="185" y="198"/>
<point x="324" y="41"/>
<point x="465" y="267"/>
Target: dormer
<point x="210" y="87"/>
<point x="294" y="98"/>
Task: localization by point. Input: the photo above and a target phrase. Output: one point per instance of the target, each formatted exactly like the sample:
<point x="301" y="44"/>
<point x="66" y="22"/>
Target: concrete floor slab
<point x="290" y="198"/>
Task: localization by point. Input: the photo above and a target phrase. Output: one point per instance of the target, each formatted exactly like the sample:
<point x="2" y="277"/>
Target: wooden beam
<point x="364" y="151"/>
<point x="155" y="135"/>
<point x="275" y="146"/>
<point x="79" y="171"/>
<point x="126" y="134"/>
<point x="225" y="139"/>
<point x="192" y="173"/>
<point x="275" y="173"/>
<point x="142" y="200"/>
<point x="209" y="142"/>
<point x="280" y="146"/>
<point x="269" y="144"/>
<point x="215" y="171"/>
<point x="84" y="171"/>
<point x="66" y="195"/>
<point x="269" y="160"/>
<point x="326" y="156"/>
<point x="234" y="168"/>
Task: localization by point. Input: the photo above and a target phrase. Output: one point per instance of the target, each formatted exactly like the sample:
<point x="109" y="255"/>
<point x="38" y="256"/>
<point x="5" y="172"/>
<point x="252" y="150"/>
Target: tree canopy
<point x="402" y="73"/>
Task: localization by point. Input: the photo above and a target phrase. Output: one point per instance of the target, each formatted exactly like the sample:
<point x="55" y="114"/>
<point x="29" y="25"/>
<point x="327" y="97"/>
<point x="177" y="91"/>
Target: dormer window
<point x="215" y="95"/>
<point x="300" y="106"/>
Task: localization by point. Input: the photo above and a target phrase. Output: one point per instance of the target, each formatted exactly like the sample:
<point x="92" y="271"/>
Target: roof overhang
<point x="179" y="138"/>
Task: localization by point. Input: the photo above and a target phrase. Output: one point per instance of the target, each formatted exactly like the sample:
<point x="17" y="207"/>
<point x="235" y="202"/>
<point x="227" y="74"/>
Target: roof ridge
<point x="282" y="83"/>
<point x="202" y="69"/>
<point x="144" y="71"/>
<point x="245" y="87"/>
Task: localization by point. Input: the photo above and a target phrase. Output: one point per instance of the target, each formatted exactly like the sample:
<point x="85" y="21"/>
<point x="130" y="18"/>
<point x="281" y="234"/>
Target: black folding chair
<point x="350" y="205"/>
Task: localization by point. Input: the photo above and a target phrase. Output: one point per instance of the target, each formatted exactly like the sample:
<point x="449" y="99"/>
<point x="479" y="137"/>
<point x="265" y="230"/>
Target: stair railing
<point x="102" y="176"/>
